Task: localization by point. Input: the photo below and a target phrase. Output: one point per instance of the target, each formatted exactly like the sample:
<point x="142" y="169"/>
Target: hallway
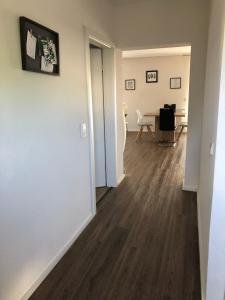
<point x="143" y="242"/>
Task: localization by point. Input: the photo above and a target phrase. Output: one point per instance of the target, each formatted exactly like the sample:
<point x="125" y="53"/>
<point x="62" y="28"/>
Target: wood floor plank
<point x="143" y="242"/>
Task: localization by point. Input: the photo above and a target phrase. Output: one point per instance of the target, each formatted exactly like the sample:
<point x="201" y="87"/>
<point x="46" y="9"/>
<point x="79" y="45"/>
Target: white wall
<point x="120" y="120"/>
<point x="211" y="197"/>
<point x="155" y="23"/>
<point x="149" y="97"/>
<point x="45" y="166"/>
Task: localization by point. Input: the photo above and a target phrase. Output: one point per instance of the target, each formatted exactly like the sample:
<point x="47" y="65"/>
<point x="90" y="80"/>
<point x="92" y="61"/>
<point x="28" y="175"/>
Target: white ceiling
<point x="174" y="51"/>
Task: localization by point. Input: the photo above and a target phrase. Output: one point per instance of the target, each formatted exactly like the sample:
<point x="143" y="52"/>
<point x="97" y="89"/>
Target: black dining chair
<point x="172" y="106"/>
<point x="167" y="123"/>
<point x="167" y="119"/>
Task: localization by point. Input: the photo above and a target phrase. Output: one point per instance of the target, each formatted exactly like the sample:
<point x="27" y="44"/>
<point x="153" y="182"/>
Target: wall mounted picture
<point x="39" y="48"/>
<point x="130" y="84"/>
<point x="152" y="76"/>
<point x="175" y="83"/>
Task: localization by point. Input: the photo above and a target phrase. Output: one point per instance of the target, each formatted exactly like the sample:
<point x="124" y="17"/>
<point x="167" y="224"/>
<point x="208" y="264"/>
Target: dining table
<point x="164" y="136"/>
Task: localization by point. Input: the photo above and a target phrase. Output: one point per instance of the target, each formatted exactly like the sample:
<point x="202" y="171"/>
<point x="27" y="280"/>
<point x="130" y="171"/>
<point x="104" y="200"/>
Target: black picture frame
<point x="152" y="76"/>
<point x="130" y="84"/>
<point x="175" y="83"/>
<point x="41" y="33"/>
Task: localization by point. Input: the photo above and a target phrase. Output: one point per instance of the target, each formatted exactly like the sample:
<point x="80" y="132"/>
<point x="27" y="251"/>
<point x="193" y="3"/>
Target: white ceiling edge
<point x="172" y="51"/>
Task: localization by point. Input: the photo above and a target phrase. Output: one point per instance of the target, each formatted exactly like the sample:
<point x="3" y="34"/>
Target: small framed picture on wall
<point x="152" y="76"/>
<point x="130" y="84"/>
<point x="175" y="83"/>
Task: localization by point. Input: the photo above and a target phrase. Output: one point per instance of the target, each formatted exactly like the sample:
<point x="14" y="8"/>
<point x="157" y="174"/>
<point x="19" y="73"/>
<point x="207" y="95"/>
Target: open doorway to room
<point x="156" y="95"/>
<point x="97" y="84"/>
<point x="100" y="60"/>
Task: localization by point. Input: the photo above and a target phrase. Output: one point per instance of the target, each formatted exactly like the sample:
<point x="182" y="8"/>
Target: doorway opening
<point x="154" y="80"/>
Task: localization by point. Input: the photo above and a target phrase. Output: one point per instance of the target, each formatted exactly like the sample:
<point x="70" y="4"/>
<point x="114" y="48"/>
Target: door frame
<point x="109" y="83"/>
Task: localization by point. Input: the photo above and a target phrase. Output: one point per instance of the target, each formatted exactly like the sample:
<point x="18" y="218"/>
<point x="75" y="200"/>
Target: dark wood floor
<point x="143" y="243"/>
<point x="101" y="192"/>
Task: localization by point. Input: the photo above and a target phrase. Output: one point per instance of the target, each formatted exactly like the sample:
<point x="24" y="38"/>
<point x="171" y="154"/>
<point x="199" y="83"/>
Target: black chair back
<point x="172" y="106"/>
<point x="167" y="119"/>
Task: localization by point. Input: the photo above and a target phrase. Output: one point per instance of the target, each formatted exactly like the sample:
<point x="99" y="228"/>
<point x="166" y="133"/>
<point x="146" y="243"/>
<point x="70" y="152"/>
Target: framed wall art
<point x="175" y="83"/>
<point x="152" y="76"/>
<point x="130" y="85"/>
<point x="39" y="48"/>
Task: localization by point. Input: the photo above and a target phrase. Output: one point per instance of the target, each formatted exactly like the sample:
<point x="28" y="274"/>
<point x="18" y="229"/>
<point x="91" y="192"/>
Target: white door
<point x="98" y="116"/>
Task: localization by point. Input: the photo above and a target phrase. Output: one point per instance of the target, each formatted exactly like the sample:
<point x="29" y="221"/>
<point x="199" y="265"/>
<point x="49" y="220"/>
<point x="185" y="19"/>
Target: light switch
<point x="212" y="149"/>
<point x="83" y="130"/>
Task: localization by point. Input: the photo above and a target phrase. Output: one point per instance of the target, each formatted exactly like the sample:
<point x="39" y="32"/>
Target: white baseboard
<point x="200" y="248"/>
<point x="120" y="179"/>
<point x="190" y="188"/>
<point x="145" y="130"/>
<point x="56" y="259"/>
<point x="137" y="130"/>
<point x="134" y="129"/>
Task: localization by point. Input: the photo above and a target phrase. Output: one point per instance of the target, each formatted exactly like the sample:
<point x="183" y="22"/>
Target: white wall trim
<point x="90" y="119"/>
<point x="190" y="188"/>
<point x="56" y="259"/>
<point x="120" y="179"/>
<point x="200" y="247"/>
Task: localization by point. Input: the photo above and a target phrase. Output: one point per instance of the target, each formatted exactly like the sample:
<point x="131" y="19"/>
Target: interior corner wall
<point x="211" y="196"/>
<point x="45" y="164"/>
<point x="147" y="24"/>
<point x="150" y="97"/>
